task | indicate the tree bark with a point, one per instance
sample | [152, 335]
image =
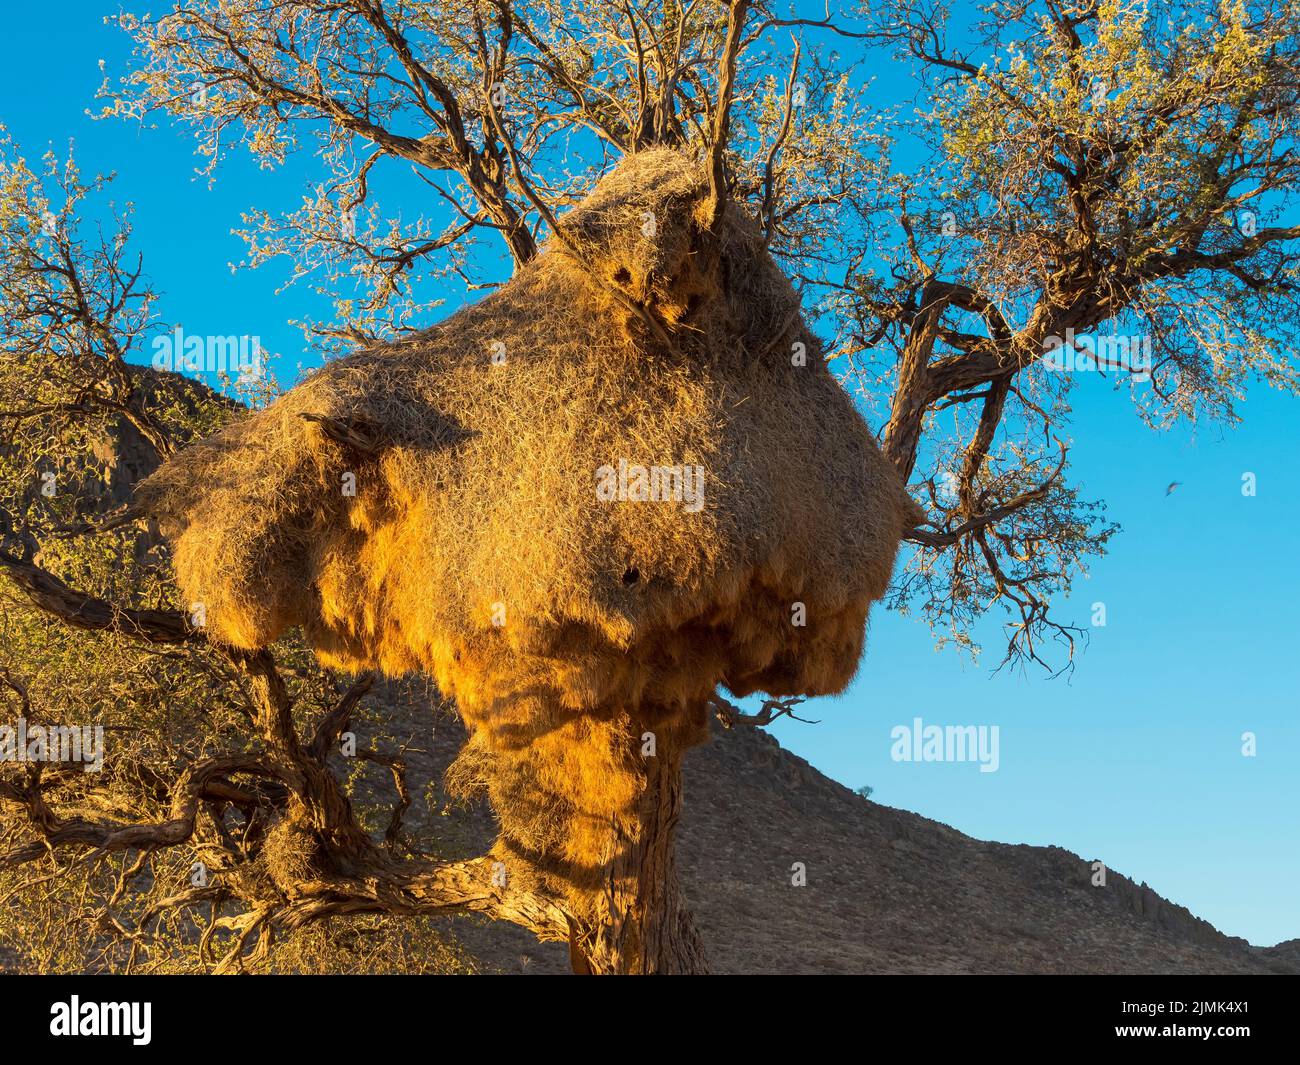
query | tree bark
[641, 923]
[588, 804]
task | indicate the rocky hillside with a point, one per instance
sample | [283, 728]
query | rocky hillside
[887, 891]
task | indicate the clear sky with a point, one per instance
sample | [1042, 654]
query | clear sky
[1135, 760]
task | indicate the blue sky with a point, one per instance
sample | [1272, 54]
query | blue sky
[1135, 760]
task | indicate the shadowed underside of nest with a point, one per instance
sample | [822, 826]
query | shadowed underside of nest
[581, 504]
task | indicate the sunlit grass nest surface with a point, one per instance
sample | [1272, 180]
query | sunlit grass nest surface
[495, 535]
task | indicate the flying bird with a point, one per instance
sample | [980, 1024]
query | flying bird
[1172, 485]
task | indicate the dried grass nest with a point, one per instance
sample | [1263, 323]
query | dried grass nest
[477, 545]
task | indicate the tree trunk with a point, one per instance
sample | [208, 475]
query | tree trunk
[640, 923]
[588, 803]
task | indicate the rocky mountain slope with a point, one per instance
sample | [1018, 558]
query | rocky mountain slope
[887, 891]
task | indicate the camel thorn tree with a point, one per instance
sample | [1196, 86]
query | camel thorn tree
[686, 205]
